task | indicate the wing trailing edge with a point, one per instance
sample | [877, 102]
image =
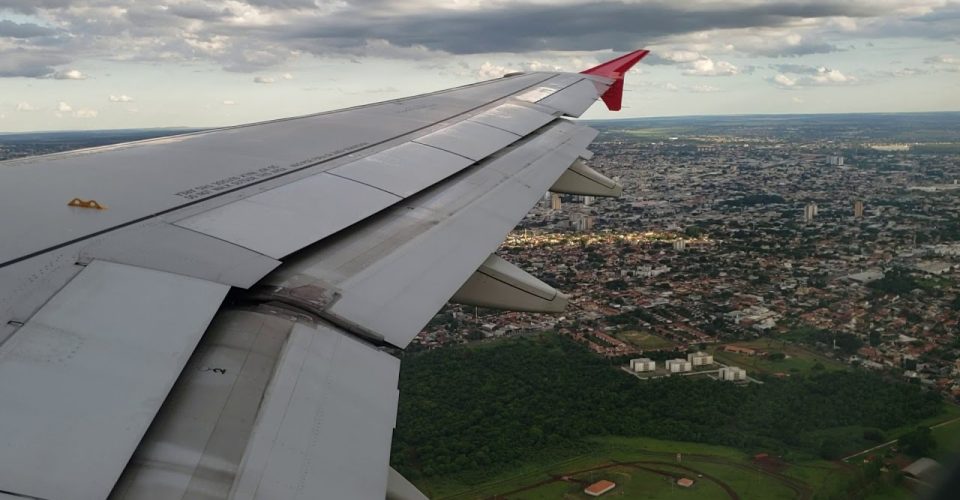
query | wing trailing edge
[615, 69]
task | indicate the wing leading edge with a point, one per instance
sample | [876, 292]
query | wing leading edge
[358, 229]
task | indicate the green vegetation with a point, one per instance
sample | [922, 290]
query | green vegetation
[645, 341]
[896, 281]
[478, 412]
[797, 360]
[918, 443]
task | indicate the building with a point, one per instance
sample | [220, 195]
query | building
[733, 373]
[678, 366]
[835, 160]
[679, 244]
[685, 482]
[924, 469]
[700, 359]
[643, 365]
[554, 201]
[581, 222]
[599, 488]
[858, 209]
[740, 350]
[810, 212]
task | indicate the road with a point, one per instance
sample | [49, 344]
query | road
[888, 443]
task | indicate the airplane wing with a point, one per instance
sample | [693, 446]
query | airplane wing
[219, 314]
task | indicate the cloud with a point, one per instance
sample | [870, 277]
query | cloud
[11, 29]
[26, 106]
[29, 63]
[254, 36]
[799, 76]
[64, 107]
[86, 113]
[120, 98]
[229, 103]
[701, 89]
[70, 74]
[709, 67]
[944, 62]
[264, 79]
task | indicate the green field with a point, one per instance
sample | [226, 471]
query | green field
[628, 462]
[799, 360]
[645, 340]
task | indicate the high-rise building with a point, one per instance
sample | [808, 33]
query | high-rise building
[555, 201]
[835, 160]
[587, 200]
[679, 244]
[810, 212]
[858, 209]
[581, 222]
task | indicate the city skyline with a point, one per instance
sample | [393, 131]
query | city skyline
[94, 65]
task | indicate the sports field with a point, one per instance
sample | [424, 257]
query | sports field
[649, 468]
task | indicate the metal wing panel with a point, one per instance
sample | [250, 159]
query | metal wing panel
[143, 179]
[165, 247]
[520, 120]
[404, 170]
[285, 219]
[472, 140]
[575, 99]
[325, 425]
[81, 381]
[393, 275]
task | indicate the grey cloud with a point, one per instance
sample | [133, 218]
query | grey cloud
[29, 64]
[206, 31]
[522, 28]
[799, 69]
[31, 6]
[199, 12]
[11, 29]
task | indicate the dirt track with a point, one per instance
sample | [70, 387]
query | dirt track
[801, 489]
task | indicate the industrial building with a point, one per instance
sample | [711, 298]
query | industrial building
[679, 366]
[599, 488]
[643, 365]
[700, 359]
[732, 373]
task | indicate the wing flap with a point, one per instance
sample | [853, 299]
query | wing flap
[389, 277]
[82, 380]
[326, 421]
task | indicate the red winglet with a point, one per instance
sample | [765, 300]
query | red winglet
[615, 69]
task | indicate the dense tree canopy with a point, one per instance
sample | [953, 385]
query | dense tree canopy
[470, 408]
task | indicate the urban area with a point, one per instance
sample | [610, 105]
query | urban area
[750, 246]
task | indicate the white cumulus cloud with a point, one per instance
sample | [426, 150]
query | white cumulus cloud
[709, 67]
[70, 74]
[25, 106]
[64, 107]
[121, 98]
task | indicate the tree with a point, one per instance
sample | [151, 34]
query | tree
[918, 442]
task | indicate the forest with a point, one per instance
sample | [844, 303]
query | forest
[489, 406]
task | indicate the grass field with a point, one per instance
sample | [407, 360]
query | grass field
[799, 359]
[645, 340]
[647, 468]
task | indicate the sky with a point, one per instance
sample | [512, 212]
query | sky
[100, 64]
